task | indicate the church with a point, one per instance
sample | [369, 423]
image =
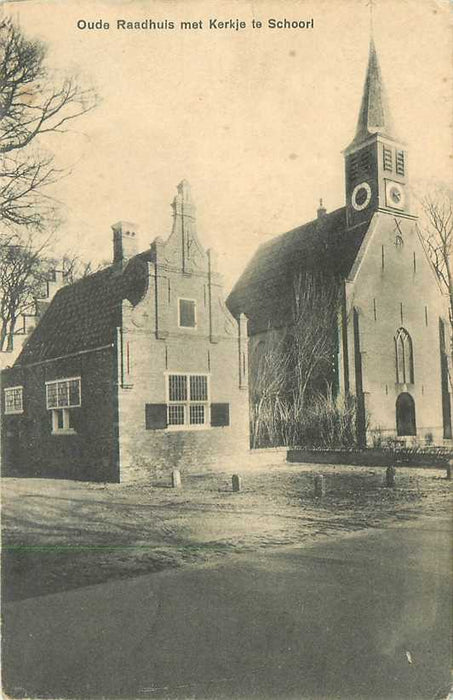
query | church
[391, 350]
[134, 370]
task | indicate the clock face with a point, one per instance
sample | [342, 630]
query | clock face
[361, 196]
[394, 195]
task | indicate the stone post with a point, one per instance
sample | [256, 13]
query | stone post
[236, 482]
[449, 468]
[320, 487]
[176, 479]
[390, 476]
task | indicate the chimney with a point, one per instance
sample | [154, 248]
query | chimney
[54, 283]
[322, 211]
[124, 241]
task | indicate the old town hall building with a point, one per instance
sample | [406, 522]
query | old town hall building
[393, 347]
[134, 370]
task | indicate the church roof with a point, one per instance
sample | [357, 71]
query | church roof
[324, 245]
[374, 115]
[84, 315]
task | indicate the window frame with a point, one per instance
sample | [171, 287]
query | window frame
[14, 411]
[387, 158]
[195, 315]
[66, 428]
[404, 357]
[188, 402]
[65, 411]
[60, 381]
[400, 162]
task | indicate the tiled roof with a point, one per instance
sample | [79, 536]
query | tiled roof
[324, 245]
[84, 315]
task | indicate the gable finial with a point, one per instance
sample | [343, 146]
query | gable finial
[322, 211]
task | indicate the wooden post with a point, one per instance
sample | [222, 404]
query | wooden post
[236, 482]
[176, 479]
[390, 476]
[320, 488]
[449, 468]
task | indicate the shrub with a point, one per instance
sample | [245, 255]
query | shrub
[323, 421]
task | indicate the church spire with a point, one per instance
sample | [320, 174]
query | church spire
[376, 160]
[374, 115]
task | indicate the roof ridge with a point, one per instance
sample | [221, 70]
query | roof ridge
[301, 226]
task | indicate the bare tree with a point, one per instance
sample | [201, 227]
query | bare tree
[33, 104]
[25, 269]
[293, 372]
[21, 280]
[267, 388]
[437, 231]
[312, 337]
[73, 266]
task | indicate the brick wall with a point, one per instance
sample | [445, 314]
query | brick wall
[152, 344]
[28, 446]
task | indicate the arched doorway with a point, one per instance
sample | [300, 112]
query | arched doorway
[405, 415]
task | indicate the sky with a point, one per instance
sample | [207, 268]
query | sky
[256, 119]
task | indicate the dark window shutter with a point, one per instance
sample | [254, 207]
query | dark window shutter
[155, 416]
[220, 414]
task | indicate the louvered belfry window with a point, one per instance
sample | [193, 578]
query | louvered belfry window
[388, 159]
[353, 166]
[365, 161]
[400, 162]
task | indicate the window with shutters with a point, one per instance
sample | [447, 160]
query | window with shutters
[220, 415]
[188, 400]
[62, 395]
[14, 400]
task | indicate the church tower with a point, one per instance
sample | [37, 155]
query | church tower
[376, 160]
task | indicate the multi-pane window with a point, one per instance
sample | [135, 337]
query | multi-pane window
[62, 420]
[187, 313]
[14, 400]
[404, 357]
[400, 162]
[61, 396]
[188, 400]
[388, 159]
[63, 393]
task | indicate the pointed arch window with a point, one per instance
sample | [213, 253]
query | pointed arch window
[404, 357]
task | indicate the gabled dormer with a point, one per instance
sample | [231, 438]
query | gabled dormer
[376, 160]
